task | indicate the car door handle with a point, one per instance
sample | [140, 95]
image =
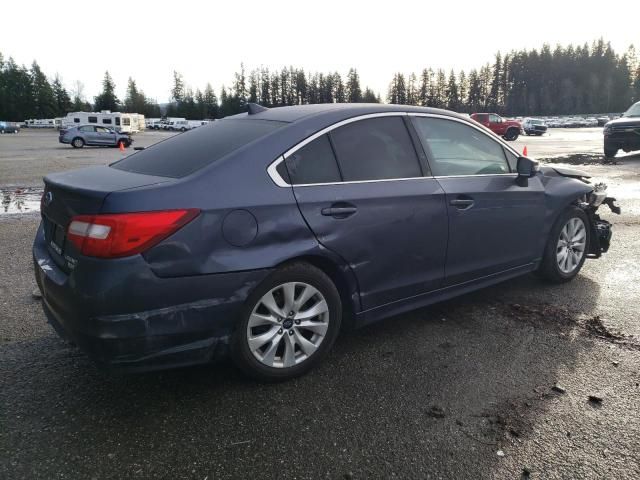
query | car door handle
[462, 203]
[339, 211]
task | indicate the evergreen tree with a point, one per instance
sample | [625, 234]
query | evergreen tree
[177, 91]
[353, 90]
[424, 93]
[107, 100]
[369, 96]
[61, 98]
[339, 93]
[397, 90]
[440, 90]
[494, 97]
[412, 90]
[463, 89]
[212, 110]
[453, 95]
[44, 100]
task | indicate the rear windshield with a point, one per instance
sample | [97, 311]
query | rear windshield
[187, 152]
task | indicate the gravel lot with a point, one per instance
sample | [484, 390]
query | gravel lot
[463, 389]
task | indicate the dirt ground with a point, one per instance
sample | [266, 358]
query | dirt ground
[520, 380]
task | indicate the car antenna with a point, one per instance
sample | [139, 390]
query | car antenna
[253, 108]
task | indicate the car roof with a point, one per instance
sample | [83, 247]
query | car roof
[336, 111]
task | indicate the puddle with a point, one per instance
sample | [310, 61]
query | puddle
[578, 159]
[15, 200]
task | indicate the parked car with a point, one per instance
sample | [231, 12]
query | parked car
[534, 126]
[92, 135]
[216, 241]
[9, 127]
[507, 129]
[623, 133]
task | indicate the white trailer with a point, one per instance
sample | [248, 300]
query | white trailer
[138, 122]
[121, 122]
[40, 123]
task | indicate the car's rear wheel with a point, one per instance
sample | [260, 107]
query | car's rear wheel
[77, 143]
[288, 324]
[567, 247]
[512, 134]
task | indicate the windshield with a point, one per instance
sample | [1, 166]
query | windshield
[634, 111]
[537, 122]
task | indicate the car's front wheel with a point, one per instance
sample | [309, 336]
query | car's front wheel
[288, 324]
[610, 152]
[567, 246]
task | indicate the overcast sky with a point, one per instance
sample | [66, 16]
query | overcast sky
[206, 41]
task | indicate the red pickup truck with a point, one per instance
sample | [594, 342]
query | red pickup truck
[507, 129]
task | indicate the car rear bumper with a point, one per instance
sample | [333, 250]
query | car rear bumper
[126, 318]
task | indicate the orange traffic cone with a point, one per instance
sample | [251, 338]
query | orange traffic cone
[524, 151]
[121, 145]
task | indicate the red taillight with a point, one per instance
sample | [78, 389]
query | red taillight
[124, 234]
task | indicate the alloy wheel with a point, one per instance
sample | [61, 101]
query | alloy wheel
[571, 245]
[287, 325]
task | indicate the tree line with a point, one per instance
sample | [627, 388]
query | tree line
[566, 80]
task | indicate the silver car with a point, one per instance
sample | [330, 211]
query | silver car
[94, 135]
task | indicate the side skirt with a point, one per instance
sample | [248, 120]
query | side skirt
[424, 299]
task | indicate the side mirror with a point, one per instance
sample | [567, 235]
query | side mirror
[526, 169]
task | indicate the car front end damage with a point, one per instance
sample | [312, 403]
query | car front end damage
[570, 186]
[600, 229]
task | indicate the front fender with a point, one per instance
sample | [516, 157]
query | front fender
[560, 192]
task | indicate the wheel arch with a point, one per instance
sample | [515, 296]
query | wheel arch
[343, 278]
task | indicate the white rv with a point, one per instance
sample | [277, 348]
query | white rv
[121, 122]
[138, 122]
[40, 123]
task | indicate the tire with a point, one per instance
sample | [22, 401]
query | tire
[286, 339]
[511, 135]
[610, 152]
[77, 142]
[552, 268]
[183, 129]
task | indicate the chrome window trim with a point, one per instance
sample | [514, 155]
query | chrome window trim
[280, 182]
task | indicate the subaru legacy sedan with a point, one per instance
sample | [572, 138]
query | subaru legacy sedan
[94, 135]
[262, 234]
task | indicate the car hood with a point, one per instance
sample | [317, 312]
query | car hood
[624, 122]
[565, 172]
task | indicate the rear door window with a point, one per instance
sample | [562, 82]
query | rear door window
[183, 154]
[313, 163]
[375, 149]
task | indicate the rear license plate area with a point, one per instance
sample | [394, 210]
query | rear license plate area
[55, 235]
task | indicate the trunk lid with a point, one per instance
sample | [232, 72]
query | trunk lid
[81, 192]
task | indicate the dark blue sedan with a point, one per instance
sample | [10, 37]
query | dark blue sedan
[262, 234]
